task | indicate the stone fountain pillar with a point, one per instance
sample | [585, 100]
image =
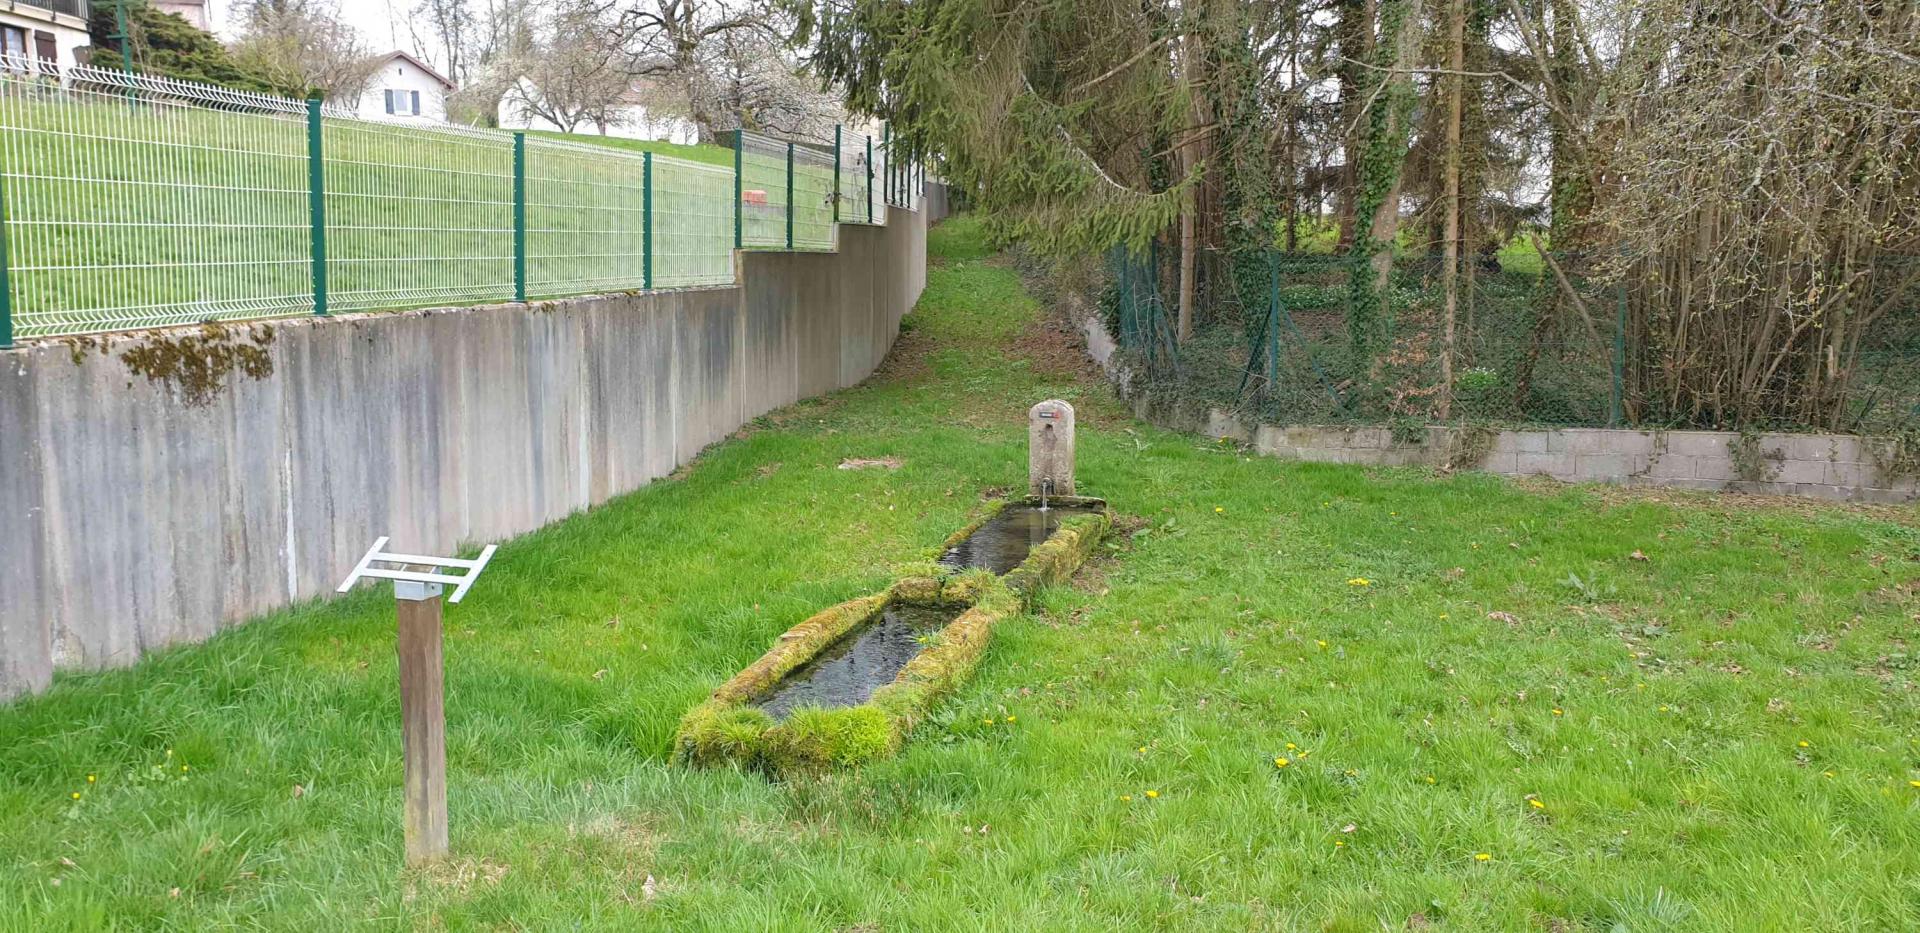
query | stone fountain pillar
[1050, 448]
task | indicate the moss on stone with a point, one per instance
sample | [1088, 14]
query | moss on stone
[729, 728]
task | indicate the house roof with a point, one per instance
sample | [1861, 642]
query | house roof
[417, 63]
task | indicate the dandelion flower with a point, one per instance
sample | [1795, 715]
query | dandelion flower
[92, 778]
[1281, 762]
[1218, 510]
[1913, 783]
[1557, 711]
[1126, 798]
[1805, 744]
[183, 769]
[1483, 856]
[1143, 749]
[1430, 780]
[76, 795]
[1291, 746]
[1153, 795]
[1012, 718]
[1443, 615]
[1359, 581]
[1664, 709]
[1321, 642]
[1339, 843]
[1537, 805]
[988, 721]
[1827, 773]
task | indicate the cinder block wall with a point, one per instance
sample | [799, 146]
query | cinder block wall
[139, 515]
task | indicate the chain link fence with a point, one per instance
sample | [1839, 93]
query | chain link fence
[131, 201]
[1553, 340]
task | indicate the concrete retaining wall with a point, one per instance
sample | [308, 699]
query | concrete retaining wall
[144, 513]
[1826, 466]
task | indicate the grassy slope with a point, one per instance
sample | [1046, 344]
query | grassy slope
[699, 152]
[1674, 790]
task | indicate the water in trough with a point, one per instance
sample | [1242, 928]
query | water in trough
[851, 669]
[1006, 539]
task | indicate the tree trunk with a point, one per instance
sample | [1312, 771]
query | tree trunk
[1450, 274]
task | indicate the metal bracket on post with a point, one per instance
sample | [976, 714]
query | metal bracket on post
[423, 715]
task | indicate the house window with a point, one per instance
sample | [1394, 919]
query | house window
[13, 44]
[45, 48]
[403, 103]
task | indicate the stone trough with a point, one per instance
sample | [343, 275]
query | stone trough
[847, 685]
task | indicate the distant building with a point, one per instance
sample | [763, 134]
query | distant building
[46, 30]
[404, 88]
[193, 11]
[629, 119]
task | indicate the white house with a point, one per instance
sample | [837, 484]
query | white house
[631, 119]
[47, 30]
[404, 88]
[193, 11]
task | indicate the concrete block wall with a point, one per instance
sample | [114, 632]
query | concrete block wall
[136, 518]
[1826, 466]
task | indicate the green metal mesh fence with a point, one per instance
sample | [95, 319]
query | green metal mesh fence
[763, 191]
[417, 217]
[586, 218]
[132, 201]
[692, 224]
[1547, 341]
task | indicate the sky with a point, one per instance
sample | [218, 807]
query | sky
[382, 22]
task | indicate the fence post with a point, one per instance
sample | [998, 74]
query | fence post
[1617, 410]
[646, 220]
[6, 274]
[869, 178]
[317, 204]
[886, 148]
[738, 192]
[789, 196]
[520, 217]
[836, 173]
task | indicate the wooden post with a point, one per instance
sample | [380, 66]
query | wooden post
[423, 721]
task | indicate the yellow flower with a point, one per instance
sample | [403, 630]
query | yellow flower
[183, 769]
[1805, 744]
[1359, 581]
[1011, 718]
[1443, 615]
[76, 795]
[1143, 749]
[1913, 783]
[1483, 856]
[1557, 711]
[1537, 805]
[1430, 780]
[1321, 642]
[988, 721]
[1126, 798]
[1281, 762]
[1664, 709]
[92, 778]
[1291, 746]
[1218, 509]
[1153, 795]
[1339, 843]
[1827, 773]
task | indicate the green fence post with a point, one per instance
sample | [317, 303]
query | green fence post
[886, 147]
[738, 192]
[789, 196]
[869, 178]
[646, 220]
[836, 173]
[6, 276]
[317, 204]
[1617, 410]
[520, 217]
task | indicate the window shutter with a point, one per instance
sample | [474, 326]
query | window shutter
[389, 94]
[44, 45]
[416, 103]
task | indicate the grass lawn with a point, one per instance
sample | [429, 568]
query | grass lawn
[697, 152]
[1498, 706]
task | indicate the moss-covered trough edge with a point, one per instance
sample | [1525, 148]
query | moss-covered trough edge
[728, 727]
